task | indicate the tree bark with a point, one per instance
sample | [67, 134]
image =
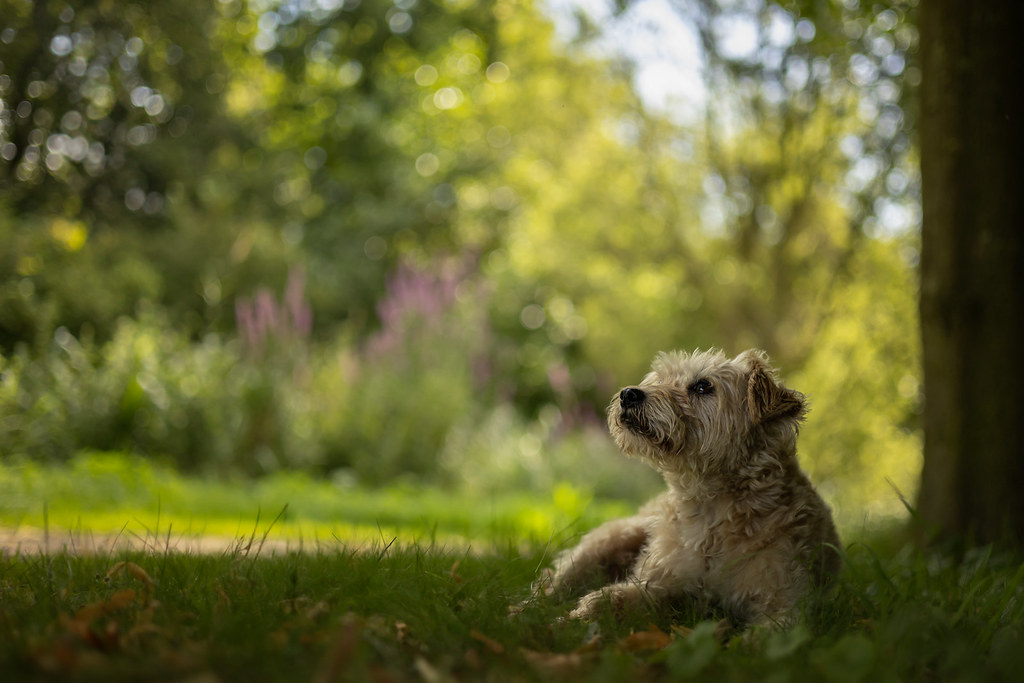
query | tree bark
[972, 270]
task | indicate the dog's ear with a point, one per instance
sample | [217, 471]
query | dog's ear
[767, 399]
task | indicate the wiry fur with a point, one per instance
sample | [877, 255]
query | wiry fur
[740, 524]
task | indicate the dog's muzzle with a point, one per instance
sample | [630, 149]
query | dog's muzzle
[631, 398]
[631, 410]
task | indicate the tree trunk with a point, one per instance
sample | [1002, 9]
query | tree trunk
[972, 269]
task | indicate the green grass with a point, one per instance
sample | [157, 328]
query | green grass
[435, 613]
[434, 605]
[110, 493]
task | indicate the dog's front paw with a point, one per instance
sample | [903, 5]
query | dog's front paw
[619, 596]
[586, 608]
[582, 613]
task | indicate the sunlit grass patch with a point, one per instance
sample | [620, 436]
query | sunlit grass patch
[104, 494]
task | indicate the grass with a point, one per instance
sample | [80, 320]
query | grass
[110, 493]
[437, 610]
[434, 613]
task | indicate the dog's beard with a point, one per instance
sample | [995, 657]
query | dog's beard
[639, 433]
[635, 420]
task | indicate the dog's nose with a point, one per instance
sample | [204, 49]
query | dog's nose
[631, 396]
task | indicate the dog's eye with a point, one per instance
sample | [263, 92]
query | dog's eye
[702, 387]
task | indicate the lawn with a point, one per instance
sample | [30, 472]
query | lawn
[417, 599]
[100, 495]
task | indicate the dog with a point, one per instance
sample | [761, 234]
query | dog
[740, 527]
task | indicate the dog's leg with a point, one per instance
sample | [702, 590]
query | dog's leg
[621, 596]
[664, 570]
[605, 554]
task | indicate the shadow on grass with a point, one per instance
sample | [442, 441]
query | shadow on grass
[438, 613]
[298, 595]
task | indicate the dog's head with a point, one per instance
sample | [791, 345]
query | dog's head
[701, 412]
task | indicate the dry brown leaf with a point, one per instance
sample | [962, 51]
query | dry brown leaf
[453, 574]
[103, 639]
[87, 626]
[141, 629]
[115, 602]
[653, 639]
[135, 570]
[489, 643]
[144, 624]
[76, 627]
[592, 645]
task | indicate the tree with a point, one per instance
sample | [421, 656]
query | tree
[187, 154]
[785, 219]
[972, 262]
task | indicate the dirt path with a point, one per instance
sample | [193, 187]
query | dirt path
[30, 541]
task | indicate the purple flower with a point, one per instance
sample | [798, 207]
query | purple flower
[264, 318]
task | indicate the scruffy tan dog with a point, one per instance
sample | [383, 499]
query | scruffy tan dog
[740, 525]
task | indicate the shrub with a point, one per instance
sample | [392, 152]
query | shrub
[148, 390]
[504, 450]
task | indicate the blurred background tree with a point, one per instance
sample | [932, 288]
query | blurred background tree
[430, 238]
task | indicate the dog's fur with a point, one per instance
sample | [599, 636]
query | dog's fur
[740, 525]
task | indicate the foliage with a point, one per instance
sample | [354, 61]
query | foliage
[147, 389]
[866, 361]
[97, 497]
[423, 611]
[494, 233]
[791, 63]
[409, 406]
[152, 130]
[504, 451]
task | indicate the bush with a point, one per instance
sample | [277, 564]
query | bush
[415, 401]
[431, 396]
[148, 390]
[506, 451]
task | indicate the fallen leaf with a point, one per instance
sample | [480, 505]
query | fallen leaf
[489, 643]
[654, 639]
[592, 645]
[453, 574]
[95, 610]
[135, 570]
[144, 624]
